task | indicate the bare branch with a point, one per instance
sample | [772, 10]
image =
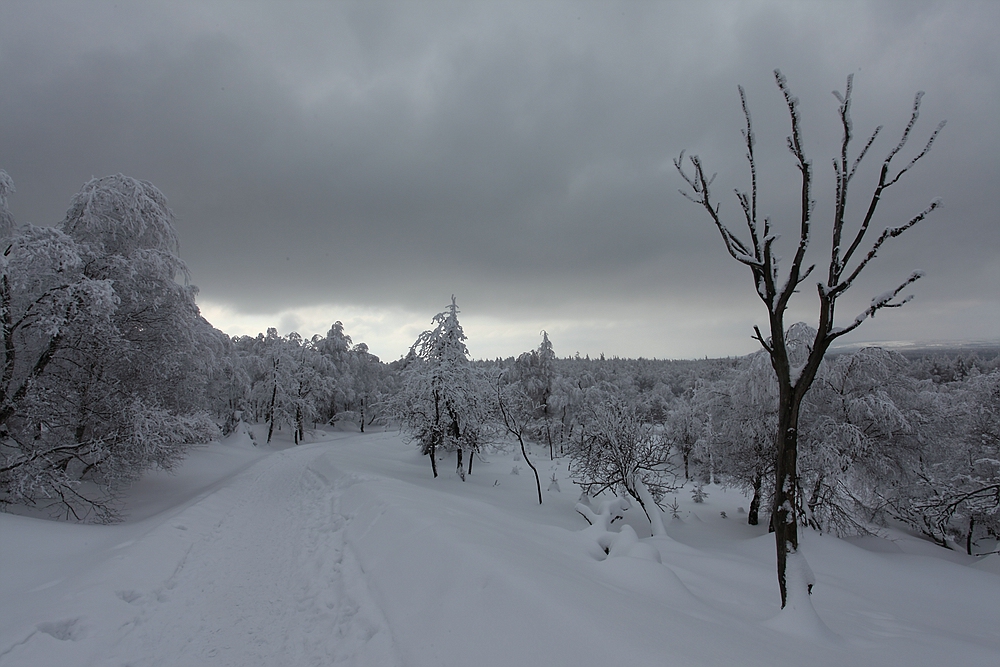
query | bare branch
[840, 169]
[864, 151]
[749, 204]
[909, 127]
[891, 232]
[701, 194]
[760, 338]
[878, 303]
[806, 203]
[927, 148]
[884, 180]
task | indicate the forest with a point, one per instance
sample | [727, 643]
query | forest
[110, 371]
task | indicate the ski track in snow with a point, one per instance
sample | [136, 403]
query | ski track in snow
[261, 576]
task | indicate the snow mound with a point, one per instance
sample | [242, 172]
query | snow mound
[989, 563]
[799, 617]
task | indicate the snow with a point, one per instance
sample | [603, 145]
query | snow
[346, 551]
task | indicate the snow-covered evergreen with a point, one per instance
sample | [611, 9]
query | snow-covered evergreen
[444, 399]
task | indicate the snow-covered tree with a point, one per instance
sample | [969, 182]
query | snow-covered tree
[230, 385]
[311, 383]
[686, 425]
[536, 375]
[444, 398]
[105, 354]
[370, 389]
[336, 347]
[126, 235]
[744, 406]
[621, 452]
[858, 439]
[277, 384]
[957, 492]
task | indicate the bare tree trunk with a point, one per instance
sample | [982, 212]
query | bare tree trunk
[435, 433]
[548, 436]
[968, 539]
[786, 533]
[515, 429]
[649, 506]
[270, 409]
[7, 331]
[813, 503]
[524, 453]
[299, 430]
[10, 402]
[456, 434]
[753, 516]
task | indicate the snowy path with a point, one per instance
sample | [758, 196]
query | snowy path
[348, 552]
[255, 574]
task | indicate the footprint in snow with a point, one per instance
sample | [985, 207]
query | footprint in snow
[129, 596]
[70, 629]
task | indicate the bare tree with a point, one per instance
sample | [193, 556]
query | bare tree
[775, 288]
[516, 409]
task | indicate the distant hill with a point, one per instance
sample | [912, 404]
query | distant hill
[916, 349]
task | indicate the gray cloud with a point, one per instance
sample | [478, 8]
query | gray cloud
[518, 155]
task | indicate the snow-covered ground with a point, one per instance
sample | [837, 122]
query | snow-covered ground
[346, 551]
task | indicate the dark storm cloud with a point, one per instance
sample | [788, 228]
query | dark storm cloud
[516, 154]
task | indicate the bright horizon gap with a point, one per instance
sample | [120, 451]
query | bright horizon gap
[389, 333]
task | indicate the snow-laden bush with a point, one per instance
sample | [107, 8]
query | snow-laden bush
[620, 451]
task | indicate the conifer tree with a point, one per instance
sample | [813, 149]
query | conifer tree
[444, 398]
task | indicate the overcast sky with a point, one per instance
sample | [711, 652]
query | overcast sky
[363, 161]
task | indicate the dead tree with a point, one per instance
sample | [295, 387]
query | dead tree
[775, 288]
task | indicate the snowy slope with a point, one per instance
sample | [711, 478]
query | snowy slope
[346, 551]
